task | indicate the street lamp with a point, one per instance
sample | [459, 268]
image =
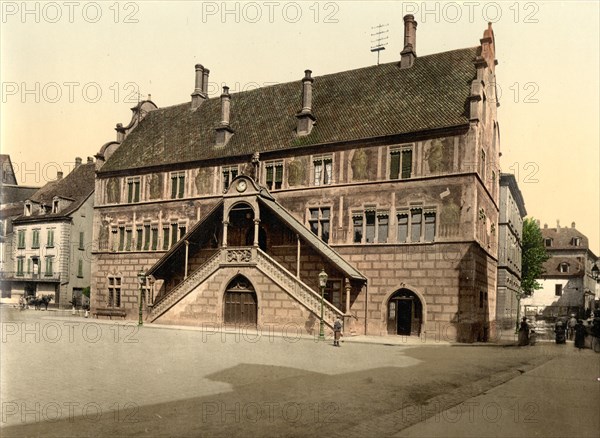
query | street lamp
[142, 279]
[322, 283]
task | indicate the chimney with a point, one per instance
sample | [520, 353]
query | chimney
[205, 73]
[90, 160]
[306, 119]
[200, 86]
[59, 175]
[572, 224]
[77, 162]
[224, 131]
[537, 222]
[545, 226]
[409, 53]
[557, 224]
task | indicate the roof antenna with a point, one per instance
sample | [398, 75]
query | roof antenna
[379, 38]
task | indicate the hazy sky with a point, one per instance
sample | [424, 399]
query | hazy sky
[71, 70]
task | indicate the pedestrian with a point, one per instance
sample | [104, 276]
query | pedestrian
[337, 331]
[523, 333]
[21, 303]
[580, 333]
[572, 323]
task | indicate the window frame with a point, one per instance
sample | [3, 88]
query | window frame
[363, 217]
[276, 182]
[410, 213]
[177, 184]
[226, 175]
[133, 189]
[325, 178]
[319, 220]
[400, 151]
[114, 283]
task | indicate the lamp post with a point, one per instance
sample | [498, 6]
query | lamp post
[142, 279]
[596, 273]
[322, 283]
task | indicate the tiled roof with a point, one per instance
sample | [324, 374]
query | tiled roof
[77, 185]
[369, 102]
[552, 266]
[563, 238]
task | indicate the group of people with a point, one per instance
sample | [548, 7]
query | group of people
[573, 329]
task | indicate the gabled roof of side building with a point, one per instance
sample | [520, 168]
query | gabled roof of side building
[370, 102]
[78, 185]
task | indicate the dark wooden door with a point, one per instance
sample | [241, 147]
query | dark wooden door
[404, 316]
[240, 308]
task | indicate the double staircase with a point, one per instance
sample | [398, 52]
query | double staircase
[255, 257]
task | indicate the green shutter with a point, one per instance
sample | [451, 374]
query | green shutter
[406, 163]
[394, 165]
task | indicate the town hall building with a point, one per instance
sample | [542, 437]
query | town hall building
[229, 210]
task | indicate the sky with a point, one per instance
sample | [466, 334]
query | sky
[70, 71]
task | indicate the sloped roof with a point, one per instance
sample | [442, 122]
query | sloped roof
[6, 169]
[77, 185]
[563, 238]
[369, 102]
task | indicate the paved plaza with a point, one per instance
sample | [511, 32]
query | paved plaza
[65, 376]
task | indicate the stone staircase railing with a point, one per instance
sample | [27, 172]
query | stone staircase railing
[186, 286]
[296, 288]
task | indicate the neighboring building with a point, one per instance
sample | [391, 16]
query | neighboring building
[10, 190]
[386, 176]
[12, 197]
[567, 284]
[510, 240]
[51, 238]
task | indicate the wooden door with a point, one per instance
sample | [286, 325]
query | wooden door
[240, 308]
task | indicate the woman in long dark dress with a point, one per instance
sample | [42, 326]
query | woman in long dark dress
[523, 333]
[580, 333]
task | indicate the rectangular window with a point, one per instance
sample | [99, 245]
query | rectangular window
[182, 231]
[35, 240]
[415, 225]
[319, 220]
[166, 238]
[429, 226]
[50, 238]
[49, 267]
[81, 240]
[558, 290]
[20, 265]
[370, 228]
[372, 225]
[382, 227]
[229, 173]
[482, 165]
[274, 175]
[177, 185]
[146, 237]
[401, 163]
[21, 239]
[121, 238]
[80, 268]
[154, 238]
[128, 238]
[133, 189]
[323, 170]
[114, 291]
[139, 238]
[357, 222]
[548, 242]
[402, 227]
[418, 225]
[173, 234]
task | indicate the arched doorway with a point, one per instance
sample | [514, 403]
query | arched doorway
[240, 303]
[241, 225]
[404, 313]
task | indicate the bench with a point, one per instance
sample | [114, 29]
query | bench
[109, 312]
